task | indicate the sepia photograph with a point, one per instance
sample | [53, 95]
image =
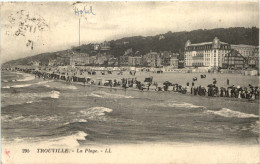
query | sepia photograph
[129, 82]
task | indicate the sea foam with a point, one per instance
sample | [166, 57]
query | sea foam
[21, 86]
[27, 78]
[102, 94]
[43, 82]
[62, 86]
[70, 87]
[26, 85]
[30, 118]
[255, 127]
[27, 98]
[76, 121]
[99, 111]
[175, 104]
[71, 140]
[55, 94]
[94, 113]
[225, 112]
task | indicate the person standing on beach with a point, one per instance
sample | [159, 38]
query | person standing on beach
[188, 89]
[227, 81]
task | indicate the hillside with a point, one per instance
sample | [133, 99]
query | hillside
[175, 41]
[170, 41]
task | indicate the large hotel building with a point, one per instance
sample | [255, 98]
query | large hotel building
[207, 54]
[245, 50]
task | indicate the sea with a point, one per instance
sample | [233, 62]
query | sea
[58, 113]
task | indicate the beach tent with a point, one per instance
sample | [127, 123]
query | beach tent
[148, 79]
[99, 81]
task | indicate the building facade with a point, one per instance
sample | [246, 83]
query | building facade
[174, 63]
[101, 59]
[135, 61]
[165, 58]
[253, 60]
[152, 59]
[206, 54]
[112, 61]
[124, 59]
[78, 59]
[105, 46]
[62, 61]
[36, 63]
[92, 60]
[51, 63]
[234, 60]
[244, 50]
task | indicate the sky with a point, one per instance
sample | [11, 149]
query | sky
[30, 28]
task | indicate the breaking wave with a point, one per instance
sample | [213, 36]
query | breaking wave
[25, 85]
[102, 94]
[61, 86]
[71, 140]
[95, 95]
[66, 87]
[27, 78]
[178, 105]
[27, 98]
[43, 82]
[55, 94]
[76, 121]
[31, 118]
[19, 86]
[255, 127]
[99, 111]
[225, 112]
[19, 73]
[94, 113]
[71, 87]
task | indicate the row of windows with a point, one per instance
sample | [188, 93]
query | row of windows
[211, 51]
[206, 48]
[235, 62]
[225, 47]
[208, 55]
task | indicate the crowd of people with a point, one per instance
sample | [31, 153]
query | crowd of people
[212, 90]
[250, 92]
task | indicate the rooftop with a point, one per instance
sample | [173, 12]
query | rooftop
[205, 43]
[244, 46]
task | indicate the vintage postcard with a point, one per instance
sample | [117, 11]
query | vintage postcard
[130, 82]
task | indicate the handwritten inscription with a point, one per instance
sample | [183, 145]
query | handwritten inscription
[84, 11]
[28, 25]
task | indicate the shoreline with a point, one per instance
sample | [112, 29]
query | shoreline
[138, 90]
[154, 91]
